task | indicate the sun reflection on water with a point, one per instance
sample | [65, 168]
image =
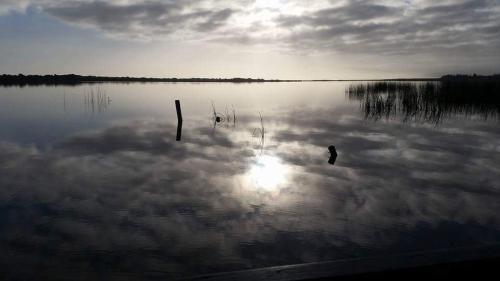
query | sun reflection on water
[267, 172]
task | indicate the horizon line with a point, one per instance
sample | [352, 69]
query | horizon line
[75, 79]
[72, 75]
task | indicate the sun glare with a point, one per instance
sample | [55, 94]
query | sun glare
[267, 172]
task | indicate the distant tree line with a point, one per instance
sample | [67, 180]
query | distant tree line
[473, 77]
[73, 79]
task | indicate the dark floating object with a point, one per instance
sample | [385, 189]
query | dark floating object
[217, 119]
[332, 150]
[333, 155]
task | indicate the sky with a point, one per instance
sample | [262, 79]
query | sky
[321, 39]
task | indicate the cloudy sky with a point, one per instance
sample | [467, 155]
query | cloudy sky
[250, 38]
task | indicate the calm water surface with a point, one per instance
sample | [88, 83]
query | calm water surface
[100, 188]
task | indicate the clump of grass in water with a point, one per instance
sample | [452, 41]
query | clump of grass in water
[260, 132]
[225, 117]
[430, 101]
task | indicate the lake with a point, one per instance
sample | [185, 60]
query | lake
[100, 181]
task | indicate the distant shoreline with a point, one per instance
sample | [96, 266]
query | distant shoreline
[74, 80]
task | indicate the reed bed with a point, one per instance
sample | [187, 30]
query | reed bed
[429, 101]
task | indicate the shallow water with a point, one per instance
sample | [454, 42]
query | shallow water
[103, 189]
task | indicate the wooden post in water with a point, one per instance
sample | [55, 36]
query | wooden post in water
[179, 120]
[178, 109]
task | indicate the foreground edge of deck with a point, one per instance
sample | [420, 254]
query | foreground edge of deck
[350, 267]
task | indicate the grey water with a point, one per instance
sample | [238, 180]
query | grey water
[96, 183]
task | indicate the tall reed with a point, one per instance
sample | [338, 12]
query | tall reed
[429, 101]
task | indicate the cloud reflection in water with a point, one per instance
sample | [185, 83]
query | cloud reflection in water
[130, 195]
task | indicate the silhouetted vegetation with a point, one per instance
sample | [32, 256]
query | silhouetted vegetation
[96, 100]
[469, 78]
[223, 117]
[260, 132]
[429, 101]
[73, 79]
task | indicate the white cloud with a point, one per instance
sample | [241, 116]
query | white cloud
[7, 6]
[459, 33]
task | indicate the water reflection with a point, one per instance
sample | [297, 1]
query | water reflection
[126, 199]
[178, 136]
[95, 100]
[225, 118]
[267, 172]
